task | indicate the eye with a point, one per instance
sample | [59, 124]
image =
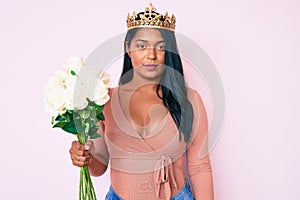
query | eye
[140, 46]
[161, 47]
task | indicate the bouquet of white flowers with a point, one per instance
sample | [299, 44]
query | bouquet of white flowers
[75, 97]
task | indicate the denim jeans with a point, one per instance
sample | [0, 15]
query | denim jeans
[184, 194]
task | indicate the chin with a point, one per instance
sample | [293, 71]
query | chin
[150, 73]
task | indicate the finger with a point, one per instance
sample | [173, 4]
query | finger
[77, 163]
[79, 149]
[80, 160]
[76, 145]
[79, 152]
[79, 146]
[89, 146]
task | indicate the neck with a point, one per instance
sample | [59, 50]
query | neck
[143, 85]
[146, 86]
[149, 87]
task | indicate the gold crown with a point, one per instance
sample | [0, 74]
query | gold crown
[151, 19]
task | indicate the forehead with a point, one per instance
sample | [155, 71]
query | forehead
[148, 34]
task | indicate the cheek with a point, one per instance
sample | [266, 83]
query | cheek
[161, 58]
[136, 59]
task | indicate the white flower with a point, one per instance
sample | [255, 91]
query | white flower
[67, 91]
[75, 95]
[57, 80]
[60, 88]
[55, 101]
[101, 93]
[97, 84]
[75, 64]
[55, 97]
[105, 79]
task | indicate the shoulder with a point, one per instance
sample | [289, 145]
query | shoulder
[111, 93]
[195, 98]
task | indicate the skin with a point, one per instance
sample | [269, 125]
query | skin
[146, 49]
[80, 154]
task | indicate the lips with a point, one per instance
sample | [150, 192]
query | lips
[150, 66]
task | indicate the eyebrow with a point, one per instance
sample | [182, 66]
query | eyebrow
[141, 40]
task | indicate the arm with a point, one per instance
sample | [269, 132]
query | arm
[198, 162]
[96, 167]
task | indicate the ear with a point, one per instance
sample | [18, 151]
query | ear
[127, 48]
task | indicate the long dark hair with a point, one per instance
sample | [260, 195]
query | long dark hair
[172, 83]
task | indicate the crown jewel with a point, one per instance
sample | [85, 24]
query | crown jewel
[151, 19]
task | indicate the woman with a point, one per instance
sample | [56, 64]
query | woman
[155, 131]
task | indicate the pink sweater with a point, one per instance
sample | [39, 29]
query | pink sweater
[153, 167]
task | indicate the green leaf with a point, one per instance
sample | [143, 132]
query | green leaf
[95, 135]
[91, 121]
[72, 127]
[91, 103]
[92, 130]
[59, 124]
[98, 126]
[84, 113]
[73, 73]
[99, 109]
[67, 116]
[93, 115]
[59, 118]
[70, 114]
[76, 117]
[100, 116]
[99, 113]
[87, 127]
[90, 107]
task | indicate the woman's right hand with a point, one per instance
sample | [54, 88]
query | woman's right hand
[82, 154]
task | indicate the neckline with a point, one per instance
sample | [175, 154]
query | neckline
[132, 125]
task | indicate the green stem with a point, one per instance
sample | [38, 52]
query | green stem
[81, 192]
[86, 188]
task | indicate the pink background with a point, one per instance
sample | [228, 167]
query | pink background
[254, 44]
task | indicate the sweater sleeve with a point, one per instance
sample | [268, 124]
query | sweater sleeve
[101, 156]
[100, 160]
[198, 162]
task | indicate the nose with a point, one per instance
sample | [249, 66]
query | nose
[151, 53]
